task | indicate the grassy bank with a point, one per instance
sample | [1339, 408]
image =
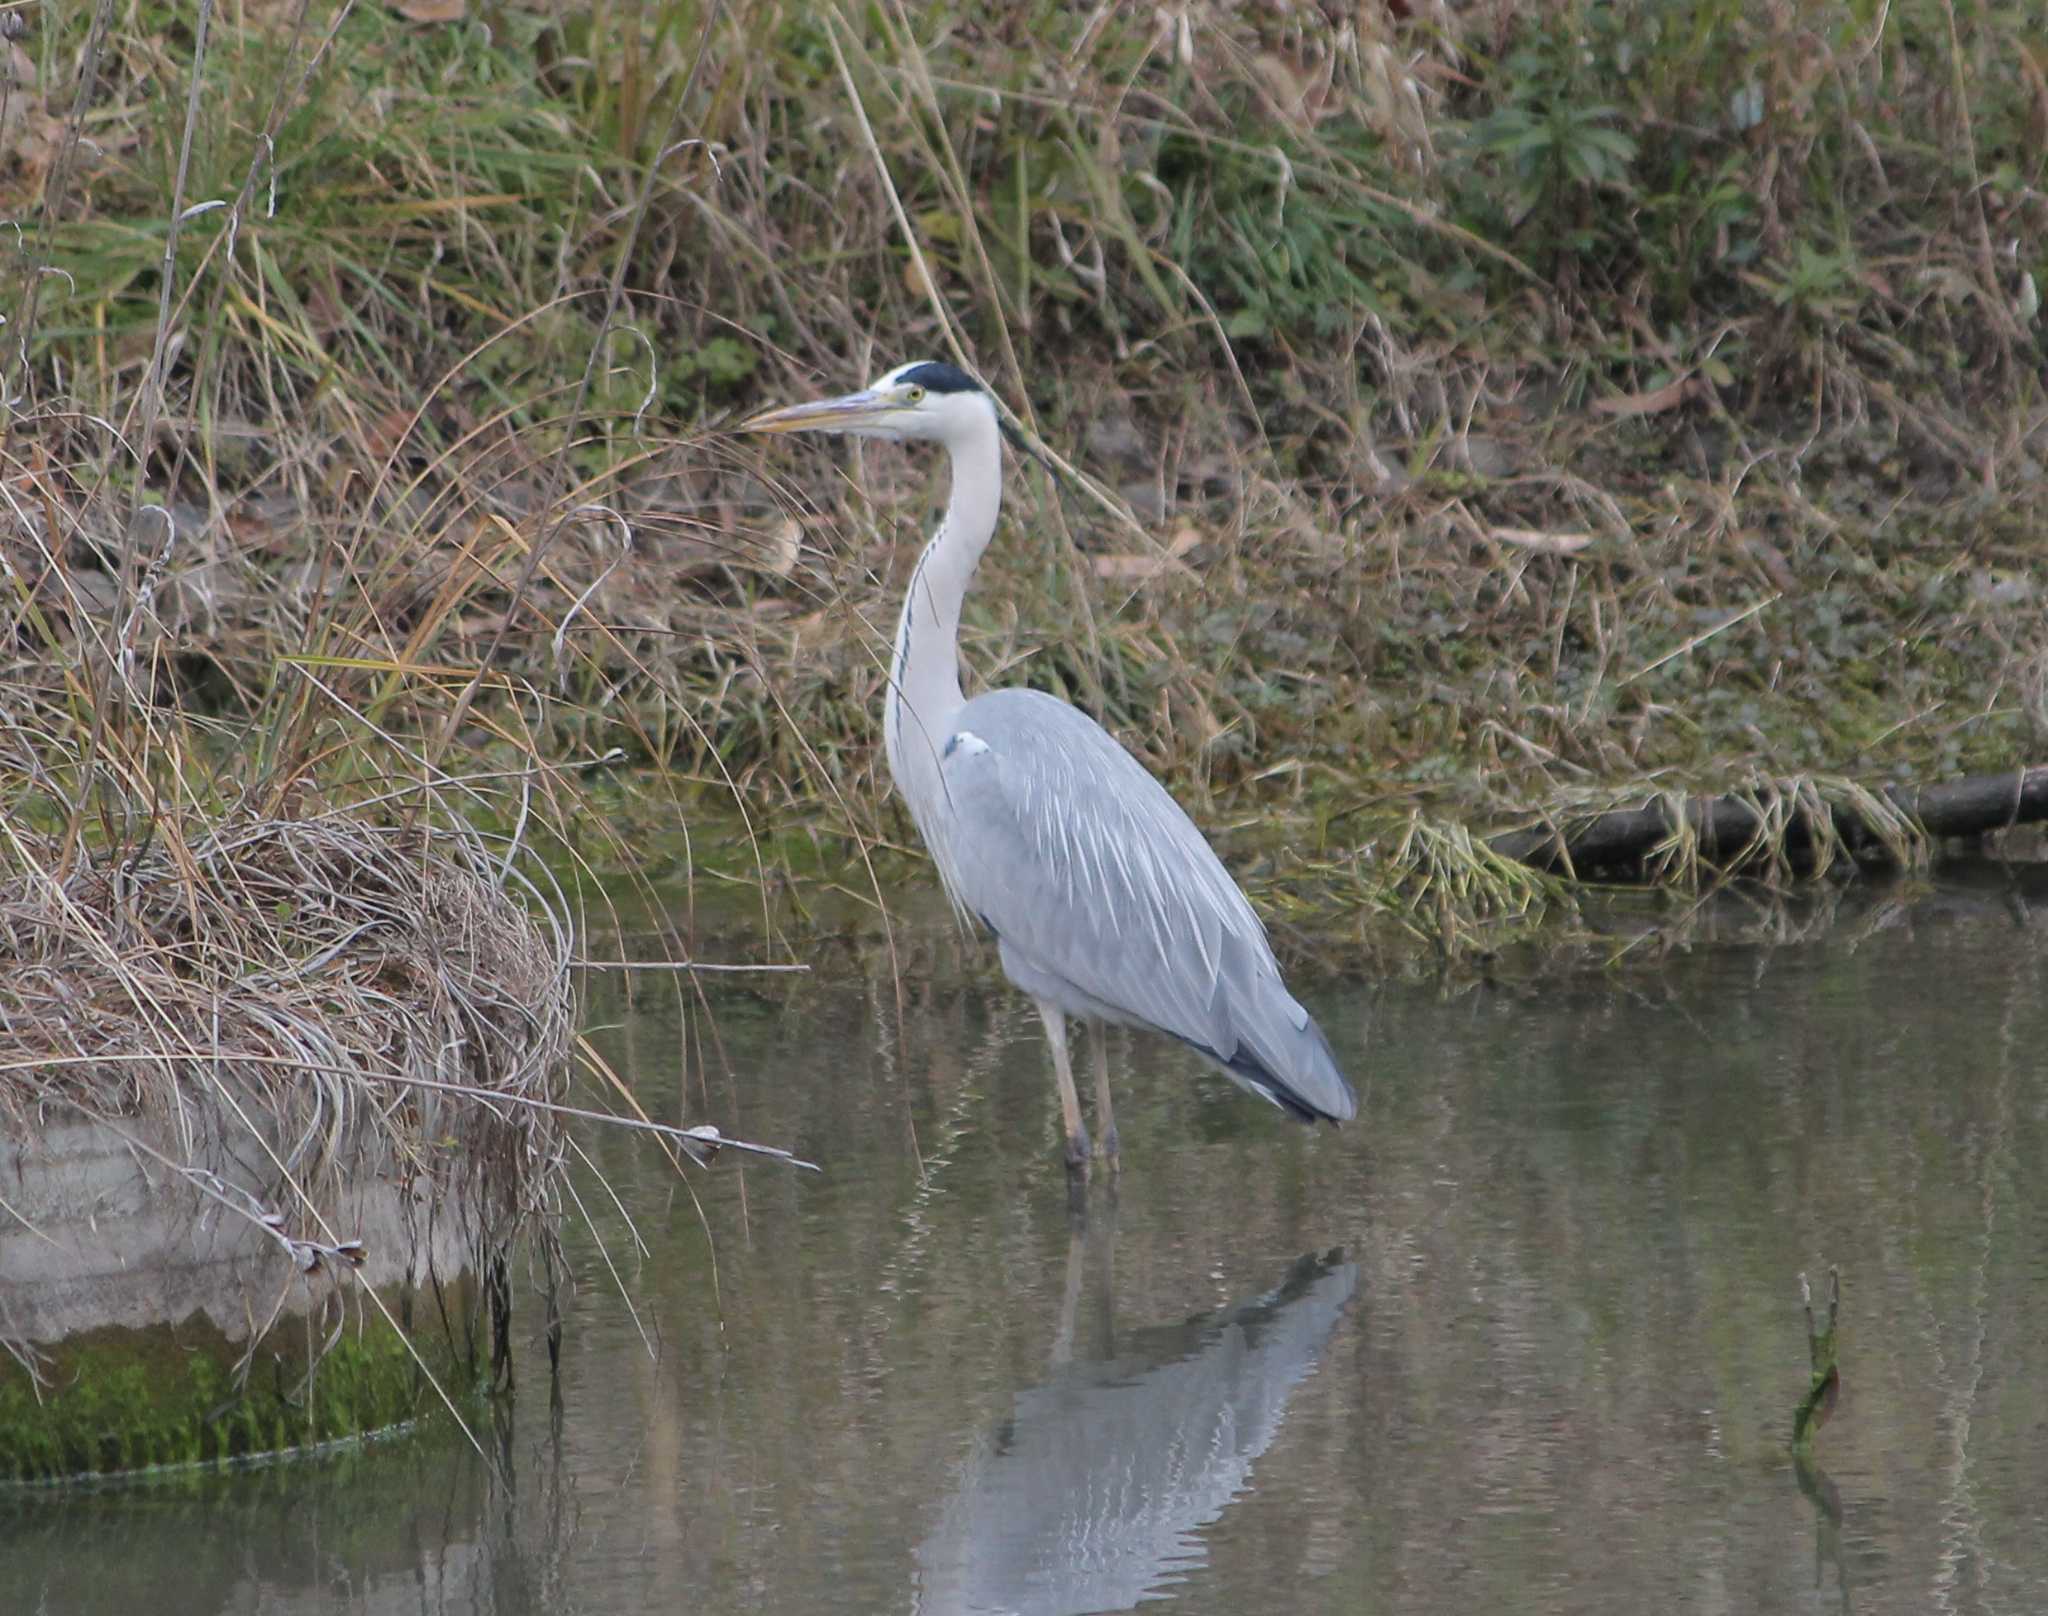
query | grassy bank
[1479, 410]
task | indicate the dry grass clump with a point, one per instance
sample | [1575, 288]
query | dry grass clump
[1770, 829]
[1418, 888]
[341, 996]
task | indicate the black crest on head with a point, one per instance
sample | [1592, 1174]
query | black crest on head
[935, 377]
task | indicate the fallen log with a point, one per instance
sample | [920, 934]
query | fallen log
[1731, 830]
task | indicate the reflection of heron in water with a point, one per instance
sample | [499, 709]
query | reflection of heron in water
[1092, 1495]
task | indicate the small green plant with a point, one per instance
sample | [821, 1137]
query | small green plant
[1567, 159]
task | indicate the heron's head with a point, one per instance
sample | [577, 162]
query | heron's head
[925, 399]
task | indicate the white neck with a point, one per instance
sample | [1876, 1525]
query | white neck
[924, 700]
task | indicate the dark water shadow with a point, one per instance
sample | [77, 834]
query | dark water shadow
[1650, 925]
[414, 1522]
[1819, 1490]
[1094, 1493]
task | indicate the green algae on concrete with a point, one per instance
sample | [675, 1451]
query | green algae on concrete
[124, 1400]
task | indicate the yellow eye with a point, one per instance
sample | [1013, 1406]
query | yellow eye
[914, 394]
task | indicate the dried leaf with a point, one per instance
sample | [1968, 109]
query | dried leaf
[1151, 566]
[383, 433]
[433, 10]
[1656, 401]
[1534, 539]
[29, 137]
[785, 547]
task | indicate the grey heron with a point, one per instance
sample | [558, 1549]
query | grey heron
[1106, 902]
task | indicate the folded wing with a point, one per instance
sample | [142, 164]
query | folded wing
[1107, 899]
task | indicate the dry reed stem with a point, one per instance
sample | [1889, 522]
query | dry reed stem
[287, 969]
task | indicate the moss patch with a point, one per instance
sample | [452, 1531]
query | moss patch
[123, 1400]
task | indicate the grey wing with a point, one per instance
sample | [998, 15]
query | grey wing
[1108, 902]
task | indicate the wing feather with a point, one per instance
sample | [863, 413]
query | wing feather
[1107, 899]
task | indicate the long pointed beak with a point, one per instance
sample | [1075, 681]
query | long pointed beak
[826, 415]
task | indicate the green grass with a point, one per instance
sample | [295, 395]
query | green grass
[1385, 322]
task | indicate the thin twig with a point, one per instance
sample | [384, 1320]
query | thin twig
[683, 965]
[1699, 640]
[153, 377]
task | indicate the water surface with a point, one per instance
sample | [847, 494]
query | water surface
[1526, 1337]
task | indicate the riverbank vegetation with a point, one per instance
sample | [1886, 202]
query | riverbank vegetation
[1472, 412]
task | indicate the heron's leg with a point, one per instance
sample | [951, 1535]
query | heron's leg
[1055, 1020]
[1105, 1118]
